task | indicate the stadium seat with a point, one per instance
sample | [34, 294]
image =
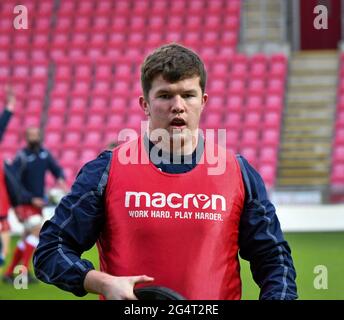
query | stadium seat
[270, 137]
[339, 136]
[237, 86]
[272, 119]
[249, 137]
[75, 122]
[268, 174]
[53, 138]
[250, 154]
[72, 139]
[268, 155]
[212, 120]
[87, 155]
[337, 175]
[233, 120]
[92, 139]
[338, 154]
[252, 120]
[94, 121]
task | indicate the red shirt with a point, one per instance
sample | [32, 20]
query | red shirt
[181, 229]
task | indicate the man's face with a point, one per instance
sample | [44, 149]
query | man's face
[33, 137]
[174, 106]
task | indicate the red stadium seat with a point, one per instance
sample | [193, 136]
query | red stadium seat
[115, 121]
[215, 103]
[232, 138]
[268, 155]
[141, 7]
[212, 120]
[270, 137]
[72, 139]
[250, 154]
[88, 155]
[274, 102]
[338, 154]
[92, 139]
[252, 120]
[233, 120]
[272, 119]
[95, 121]
[55, 122]
[278, 69]
[235, 103]
[256, 86]
[10, 139]
[31, 121]
[258, 69]
[69, 155]
[268, 173]
[78, 105]
[254, 102]
[337, 175]
[75, 122]
[250, 137]
[237, 86]
[339, 139]
[53, 138]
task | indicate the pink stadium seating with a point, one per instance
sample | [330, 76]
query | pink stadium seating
[268, 173]
[337, 174]
[93, 61]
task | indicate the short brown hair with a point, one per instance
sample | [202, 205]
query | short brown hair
[174, 62]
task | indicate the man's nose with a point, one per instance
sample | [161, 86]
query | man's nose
[178, 104]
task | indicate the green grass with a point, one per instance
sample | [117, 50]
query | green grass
[308, 250]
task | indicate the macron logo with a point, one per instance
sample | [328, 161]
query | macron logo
[174, 200]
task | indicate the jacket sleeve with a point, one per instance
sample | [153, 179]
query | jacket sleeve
[54, 167]
[262, 243]
[4, 120]
[73, 229]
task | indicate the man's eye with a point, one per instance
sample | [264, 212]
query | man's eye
[164, 96]
[188, 96]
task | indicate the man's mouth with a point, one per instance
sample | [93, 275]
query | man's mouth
[178, 123]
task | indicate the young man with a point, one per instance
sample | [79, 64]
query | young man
[4, 198]
[32, 164]
[162, 222]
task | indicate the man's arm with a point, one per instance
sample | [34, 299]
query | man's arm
[74, 228]
[262, 243]
[55, 168]
[7, 113]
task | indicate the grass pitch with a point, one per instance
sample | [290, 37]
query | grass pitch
[309, 250]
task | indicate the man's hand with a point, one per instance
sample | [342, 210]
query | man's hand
[111, 287]
[38, 202]
[62, 184]
[10, 98]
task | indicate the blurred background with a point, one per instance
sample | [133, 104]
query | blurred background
[275, 83]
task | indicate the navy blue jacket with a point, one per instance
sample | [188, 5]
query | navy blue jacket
[79, 219]
[4, 120]
[32, 167]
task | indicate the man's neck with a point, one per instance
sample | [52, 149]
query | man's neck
[177, 145]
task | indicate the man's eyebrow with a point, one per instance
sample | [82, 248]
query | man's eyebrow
[167, 91]
[163, 91]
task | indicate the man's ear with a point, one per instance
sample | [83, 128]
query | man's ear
[144, 105]
[204, 100]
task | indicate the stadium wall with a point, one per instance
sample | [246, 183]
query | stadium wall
[298, 218]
